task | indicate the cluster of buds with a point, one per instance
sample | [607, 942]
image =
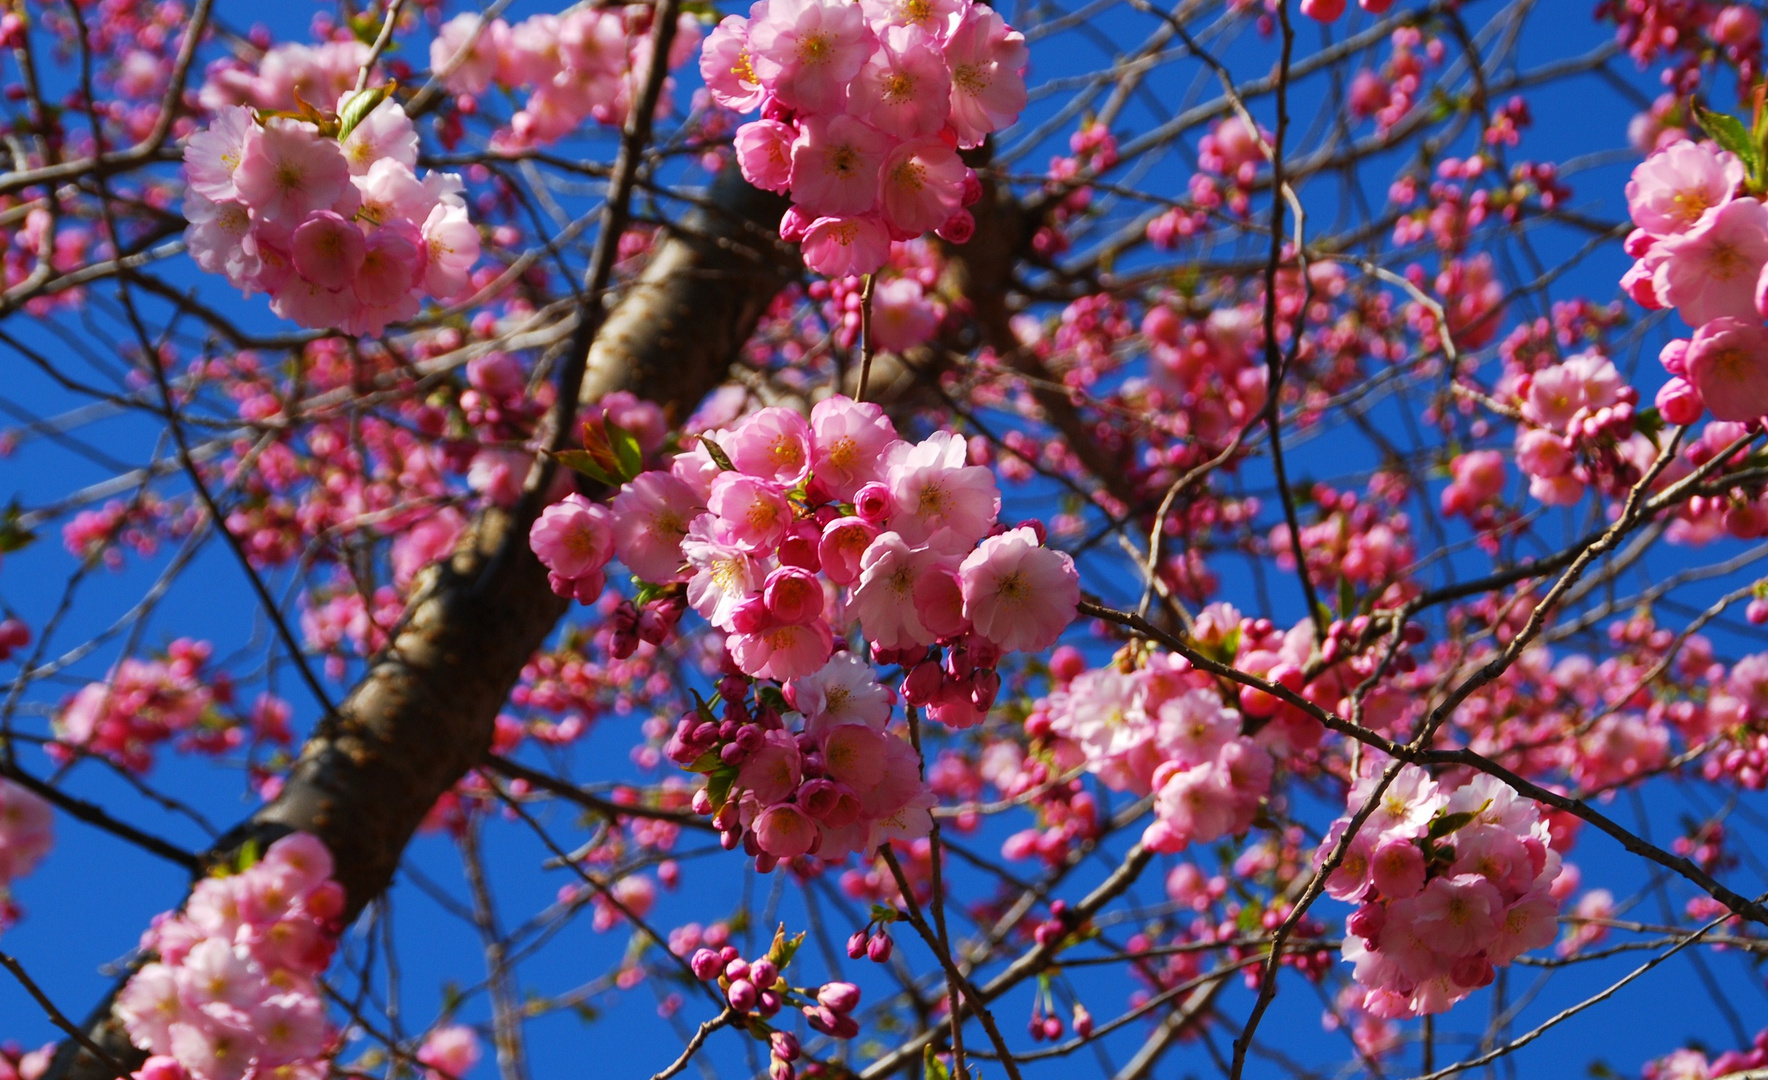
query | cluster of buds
[1045, 1024]
[874, 944]
[652, 623]
[955, 680]
[758, 987]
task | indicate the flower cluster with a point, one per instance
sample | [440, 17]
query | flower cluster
[761, 527]
[1691, 1064]
[760, 987]
[450, 1051]
[25, 831]
[589, 63]
[827, 780]
[1701, 243]
[327, 215]
[26, 835]
[1450, 885]
[145, 702]
[863, 109]
[1160, 726]
[759, 521]
[232, 991]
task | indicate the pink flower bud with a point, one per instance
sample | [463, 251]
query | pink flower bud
[873, 503]
[878, 949]
[705, 964]
[843, 997]
[793, 596]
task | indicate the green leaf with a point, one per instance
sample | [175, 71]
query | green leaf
[884, 915]
[1728, 131]
[718, 786]
[1446, 824]
[249, 854]
[721, 458]
[356, 110]
[14, 535]
[627, 451]
[584, 462]
[935, 1068]
[1649, 422]
[1347, 597]
[784, 948]
[773, 699]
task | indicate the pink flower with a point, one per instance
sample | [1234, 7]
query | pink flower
[902, 316]
[290, 1027]
[753, 513]
[328, 250]
[1019, 594]
[845, 691]
[1194, 726]
[793, 595]
[764, 153]
[651, 517]
[451, 1051]
[784, 831]
[774, 444]
[724, 64]
[468, 48]
[785, 651]
[214, 1049]
[774, 771]
[1406, 806]
[452, 247]
[1672, 188]
[26, 831]
[213, 154]
[842, 246]
[1542, 453]
[835, 165]
[932, 17]
[1190, 804]
[851, 439]
[884, 602]
[807, 51]
[1530, 923]
[843, 547]
[573, 537]
[387, 279]
[936, 489]
[287, 171]
[149, 1005]
[904, 88]
[855, 755]
[1679, 402]
[301, 860]
[1397, 868]
[724, 574]
[1710, 271]
[386, 133]
[987, 60]
[214, 972]
[922, 186]
[221, 240]
[1457, 915]
[1728, 364]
